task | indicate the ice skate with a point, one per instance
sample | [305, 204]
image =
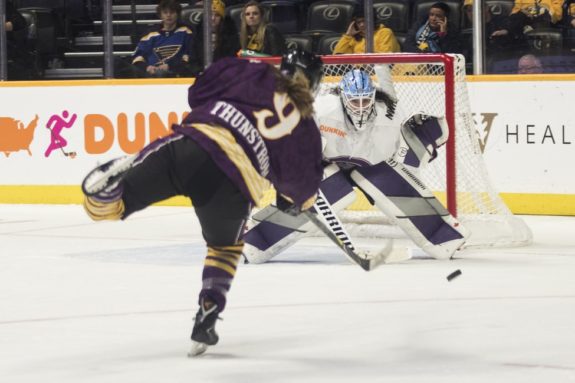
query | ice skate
[104, 179]
[204, 332]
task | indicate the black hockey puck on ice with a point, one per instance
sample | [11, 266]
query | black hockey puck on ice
[453, 275]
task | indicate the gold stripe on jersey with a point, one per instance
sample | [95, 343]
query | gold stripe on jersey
[256, 184]
[100, 211]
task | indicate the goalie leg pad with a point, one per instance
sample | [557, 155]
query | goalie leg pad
[266, 239]
[421, 135]
[399, 194]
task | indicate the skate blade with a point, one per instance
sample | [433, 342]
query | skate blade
[197, 349]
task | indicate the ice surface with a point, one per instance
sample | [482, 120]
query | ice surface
[113, 302]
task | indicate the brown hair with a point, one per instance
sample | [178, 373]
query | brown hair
[261, 30]
[169, 5]
[297, 88]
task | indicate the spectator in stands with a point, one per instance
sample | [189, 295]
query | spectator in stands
[531, 14]
[166, 51]
[529, 64]
[19, 64]
[502, 37]
[569, 13]
[353, 41]
[257, 37]
[225, 39]
[434, 34]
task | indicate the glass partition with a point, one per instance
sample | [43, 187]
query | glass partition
[68, 39]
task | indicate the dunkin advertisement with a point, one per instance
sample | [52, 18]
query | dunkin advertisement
[54, 135]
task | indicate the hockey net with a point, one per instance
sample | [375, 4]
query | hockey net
[435, 84]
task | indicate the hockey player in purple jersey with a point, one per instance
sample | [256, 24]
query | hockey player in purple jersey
[364, 130]
[251, 126]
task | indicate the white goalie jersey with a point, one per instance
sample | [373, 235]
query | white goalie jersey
[344, 144]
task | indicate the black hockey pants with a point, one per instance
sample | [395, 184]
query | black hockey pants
[179, 166]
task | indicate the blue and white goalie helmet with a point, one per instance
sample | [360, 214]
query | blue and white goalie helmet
[357, 95]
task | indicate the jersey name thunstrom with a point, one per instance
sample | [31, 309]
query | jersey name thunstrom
[243, 126]
[329, 129]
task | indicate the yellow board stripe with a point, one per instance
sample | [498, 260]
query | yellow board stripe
[518, 203]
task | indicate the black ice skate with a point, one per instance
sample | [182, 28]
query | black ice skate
[204, 332]
[103, 181]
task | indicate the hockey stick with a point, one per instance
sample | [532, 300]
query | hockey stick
[66, 154]
[332, 227]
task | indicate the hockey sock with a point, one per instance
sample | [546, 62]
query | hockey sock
[219, 270]
[103, 210]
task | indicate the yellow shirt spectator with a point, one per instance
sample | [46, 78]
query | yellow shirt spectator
[353, 41]
[534, 7]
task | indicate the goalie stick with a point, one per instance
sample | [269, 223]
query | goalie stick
[332, 227]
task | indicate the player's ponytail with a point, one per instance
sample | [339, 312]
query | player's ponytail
[298, 90]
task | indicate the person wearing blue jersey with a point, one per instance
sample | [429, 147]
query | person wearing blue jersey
[250, 126]
[166, 51]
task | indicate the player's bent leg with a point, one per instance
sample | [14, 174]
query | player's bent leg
[399, 194]
[267, 239]
[127, 184]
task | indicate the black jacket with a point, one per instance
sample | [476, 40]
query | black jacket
[229, 44]
[451, 42]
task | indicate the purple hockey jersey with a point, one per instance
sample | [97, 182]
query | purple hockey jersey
[252, 132]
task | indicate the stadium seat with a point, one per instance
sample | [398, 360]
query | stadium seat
[41, 29]
[316, 36]
[393, 14]
[421, 10]
[333, 16]
[326, 44]
[285, 15]
[500, 7]
[304, 42]
[545, 41]
[401, 38]
[192, 16]
[39, 3]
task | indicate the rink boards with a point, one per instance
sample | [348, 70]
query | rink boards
[526, 128]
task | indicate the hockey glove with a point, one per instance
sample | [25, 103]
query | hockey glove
[287, 206]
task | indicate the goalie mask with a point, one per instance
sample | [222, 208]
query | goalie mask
[357, 95]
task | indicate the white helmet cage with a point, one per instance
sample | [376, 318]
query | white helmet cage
[357, 95]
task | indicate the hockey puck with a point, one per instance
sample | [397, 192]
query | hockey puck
[453, 275]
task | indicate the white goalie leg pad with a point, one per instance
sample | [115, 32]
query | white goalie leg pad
[403, 197]
[264, 240]
[421, 135]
